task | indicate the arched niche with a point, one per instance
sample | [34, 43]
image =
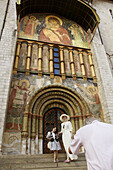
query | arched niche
[38, 104]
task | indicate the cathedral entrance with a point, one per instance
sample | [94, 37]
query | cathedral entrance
[51, 120]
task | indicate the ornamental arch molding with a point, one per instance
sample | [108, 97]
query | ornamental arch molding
[39, 103]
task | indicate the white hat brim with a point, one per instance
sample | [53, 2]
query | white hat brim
[64, 115]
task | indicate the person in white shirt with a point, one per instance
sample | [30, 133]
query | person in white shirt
[97, 139]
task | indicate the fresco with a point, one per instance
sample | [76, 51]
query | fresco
[89, 91]
[87, 65]
[52, 29]
[23, 87]
[22, 56]
[45, 59]
[20, 90]
[77, 63]
[67, 62]
[34, 57]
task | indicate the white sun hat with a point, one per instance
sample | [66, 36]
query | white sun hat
[64, 115]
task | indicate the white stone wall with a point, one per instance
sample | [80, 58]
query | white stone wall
[106, 22]
[3, 4]
[7, 51]
[101, 60]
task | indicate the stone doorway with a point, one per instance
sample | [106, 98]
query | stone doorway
[52, 119]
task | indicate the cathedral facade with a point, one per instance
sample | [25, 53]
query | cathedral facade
[56, 57]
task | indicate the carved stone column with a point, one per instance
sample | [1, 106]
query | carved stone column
[51, 67]
[29, 134]
[36, 139]
[92, 66]
[40, 59]
[28, 59]
[73, 124]
[62, 63]
[80, 122]
[24, 133]
[72, 63]
[82, 65]
[17, 58]
[76, 123]
[40, 143]
[33, 135]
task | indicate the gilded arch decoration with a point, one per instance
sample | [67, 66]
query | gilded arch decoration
[36, 106]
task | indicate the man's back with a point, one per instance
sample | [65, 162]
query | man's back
[97, 139]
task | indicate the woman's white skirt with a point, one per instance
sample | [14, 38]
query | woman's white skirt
[66, 137]
[54, 146]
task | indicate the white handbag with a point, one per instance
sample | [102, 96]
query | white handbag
[48, 145]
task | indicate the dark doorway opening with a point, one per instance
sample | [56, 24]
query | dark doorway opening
[52, 119]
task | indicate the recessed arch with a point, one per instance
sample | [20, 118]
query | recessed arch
[47, 98]
[42, 93]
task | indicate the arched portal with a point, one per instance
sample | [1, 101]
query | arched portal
[51, 119]
[39, 103]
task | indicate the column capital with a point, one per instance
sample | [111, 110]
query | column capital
[89, 52]
[80, 51]
[25, 114]
[24, 134]
[61, 48]
[29, 44]
[19, 42]
[70, 49]
[51, 45]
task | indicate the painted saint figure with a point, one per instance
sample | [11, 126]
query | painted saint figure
[79, 36]
[54, 32]
[34, 57]
[22, 56]
[45, 60]
[67, 61]
[30, 25]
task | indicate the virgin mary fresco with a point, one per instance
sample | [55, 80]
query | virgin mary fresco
[54, 32]
[52, 29]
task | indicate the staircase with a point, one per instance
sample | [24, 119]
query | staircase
[40, 162]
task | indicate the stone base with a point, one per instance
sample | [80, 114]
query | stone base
[11, 143]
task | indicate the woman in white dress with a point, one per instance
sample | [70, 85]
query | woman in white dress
[66, 130]
[54, 144]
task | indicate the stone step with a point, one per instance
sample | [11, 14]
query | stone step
[35, 160]
[55, 168]
[39, 162]
[43, 165]
[35, 156]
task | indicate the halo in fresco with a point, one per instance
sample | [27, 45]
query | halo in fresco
[52, 29]
[24, 82]
[52, 17]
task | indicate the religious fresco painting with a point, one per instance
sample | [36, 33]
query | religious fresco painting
[67, 62]
[45, 59]
[34, 57]
[77, 63]
[89, 91]
[23, 87]
[87, 65]
[22, 56]
[19, 92]
[52, 29]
